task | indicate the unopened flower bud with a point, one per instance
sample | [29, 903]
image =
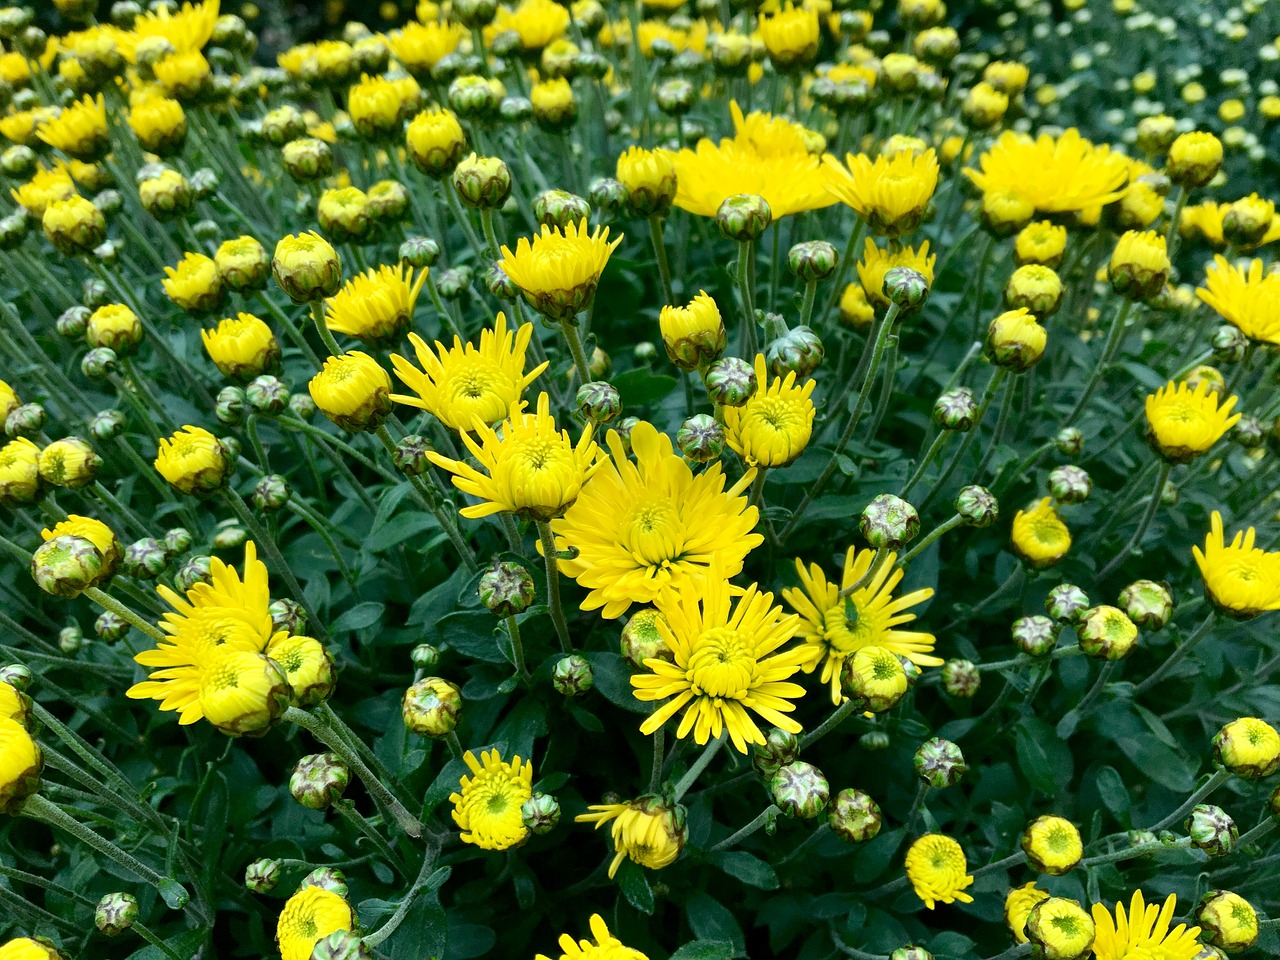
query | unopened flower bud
[977, 506]
[410, 455]
[230, 405]
[641, 640]
[798, 351]
[196, 570]
[326, 878]
[813, 260]
[1035, 636]
[1229, 344]
[431, 707]
[267, 394]
[453, 283]
[559, 208]
[1249, 432]
[70, 639]
[289, 616]
[572, 676]
[854, 817]
[1067, 603]
[961, 678]
[115, 913]
[1069, 441]
[939, 763]
[955, 409]
[540, 813]
[1070, 484]
[73, 322]
[701, 438]
[110, 627]
[420, 252]
[341, 945]
[1148, 604]
[743, 217]
[270, 493]
[598, 402]
[874, 676]
[1211, 830]
[1107, 633]
[1227, 920]
[24, 420]
[800, 790]
[144, 559]
[482, 182]
[318, 780]
[730, 382]
[906, 287]
[780, 748]
[229, 535]
[889, 522]
[425, 656]
[177, 540]
[607, 195]
[307, 159]
[911, 952]
[507, 589]
[98, 363]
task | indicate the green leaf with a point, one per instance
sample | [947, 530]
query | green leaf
[183, 945]
[406, 526]
[1042, 756]
[710, 920]
[472, 635]
[751, 870]
[705, 950]
[640, 387]
[173, 893]
[635, 886]
[466, 940]
[1115, 796]
[358, 617]
[613, 680]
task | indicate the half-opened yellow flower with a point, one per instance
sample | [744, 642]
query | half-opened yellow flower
[377, 305]
[1240, 579]
[890, 193]
[876, 262]
[647, 830]
[1143, 932]
[1063, 174]
[773, 427]
[536, 22]
[606, 947]
[1039, 536]
[1183, 423]
[1248, 299]
[558, 272]
[308, 917]
[938, 871]
[487, 806]
[80, 130]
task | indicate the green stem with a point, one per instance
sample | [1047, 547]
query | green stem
[1177, 656]
[1172, 237]
[747, 331]
[988, 394]
[517, 649]
[659, 752]
[945, 527]
[347, 810]
[402, 911]
[761, 819]
[322, 328]
[1219, 777]
[553, 585]
[491, 238]
[929, 455]
[691, 777]
[108, 602]
[582, 369]
[836, 718]
[806, 305]
[660, 253]
[1137, 850]
[1162, 477]
[146, 934]
[1114, 337]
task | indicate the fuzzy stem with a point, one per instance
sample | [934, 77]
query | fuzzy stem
[553, 585]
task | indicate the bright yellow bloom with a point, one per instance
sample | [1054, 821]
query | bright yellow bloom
[855, 311]
[352, 390]
[1039, 536]
[243, 693]
[773, 427]
[460, 384]
[183, 76]
[80, 130]
[376, 105]
[69, 462]
[1240, 579]
[420, 46]
[1230, 921]
[558, 272]
[1143, 932]
[938, 871]
[243, 346]
[536, 22]
[159, 123]
[1204, 220]
[640, 528]
[45, 187]
[195, 284]
[1052, 845]
[1060, 928]
[19, 471]
[1183, 424]
[833, 627]
[791, 36]
[20, 764]
[890, 193]
[722, 665]
[876, 262]
[532, 468]
[1248, 300]
[188, 28]
[488, 807]
[647, 830]
[306, 665]
[693, 335]
[1064, 174]
[95, 531]
[1018, 904]
[606, 947]
[1248, 747]
[377, 305]
[308, 917]
[193, 460]
[773, 136]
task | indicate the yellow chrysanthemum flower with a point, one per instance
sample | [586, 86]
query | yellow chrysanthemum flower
[876, 262]
[95, 531]
[722, 663]
[1240, 579]
[308, 917]
[193, 460]
[45, 187]
[420, 46]
[21, 761]
[1039, 536]
[1063, 174]
[375, 306]
[306, 665]
[243, 346]
[80, 130]
[1183, 424]
[195, 284]
[1248, 300]
[14, 705]
[791, 35]
[558, 272]
[1018, 904]
[1143, 932]
[890, 193]
[1052, 845]
[536, 22]
[1248, 747]
[647, 830]
[606, 947]
[488, 807]
[640, 528]
[532, 469]
[461, 384]
[938, 871]
[773, 427]
[833, 627]
[1204, 220]
[242, 693]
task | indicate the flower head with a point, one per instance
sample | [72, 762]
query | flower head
[188, 28]
[242, 693]
[1052, 845]
[1183, 424]
[195, 284]
[375, 306]
[193, 460]
[19, 471]
[420, 46]
[80, 130]
[242, 347]
[693, 335]
[606, 947]
[833, 627]
[1063, 174]
[536, 22]
[1018, 904]
[937, 870]
[724, 663]
[1039, 536]
[647, 830]
[487, 808]
[640, 528]
[558, 272]
[1142, 932]
[791, 35]
[1240, 579]
[352, 390]
[306, 267]
[875, 263]
[532, 468]
[1060, 928]
[45, 187]
[20, 763]
[891, 193]
[308, 917]
[1248, 299]
[95, 531]
[461, 384]
[773, 427]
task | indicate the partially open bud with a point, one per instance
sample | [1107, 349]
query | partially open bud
[889, 522]
[482, 182]
[1228, 920]
[436, 142]
[854, 817]
[874, 676]
[23, 761]
[649, 179]
[193, 461]
[1139, 265]
[1035, 288]
[306, 267]
[1052, 845]
[641, 640]
[1149, 604]
[800, 790]
[1248, 747]
[74, 226]
[1106, 633]
[1212, 830]
[1061, 929]
[1015, 340]
[69, 462]
[572, 676]
[1194, 159]
[693, 335]
[507, 589]
[353, 391]
[431, 707]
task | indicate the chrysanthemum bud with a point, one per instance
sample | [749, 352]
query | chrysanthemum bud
[74, 226]
[1015, 340]
[874, 676]
[94, 293]
[1149, 604]
[1069, 441]
[559, 208]
[507, 589]
[18, 161]
[115, 913]
[344, 215]
[854, 817]
[1248, 747]
[13, 230]
[318, 780]
[875, 740]
[1249, 433]
[1212, 830]
[1229, 345]
[701, 438]
[288, 615]
[66, 566]
[730, 382]
[813, 260]
[955, 409]
[648, 181]
[410, 455]
[540, 813]
[1035, 636]
[799, 789]
[780, 748]
[598, 402]
[906, 287]
[1035, 288]
[797, 351]
[270, 493]
[1156, 134]
[1107, 633]
[19, 677]
[1052, 845]
[73, 322]
[1061, 929]
[453, 283]
[267, 395]
[114, 326]
[306, 267]
[1067, 603]
[482, 182]
[911, 952]
[341, 945]
[436, 142]
[1070, 484]
[939, 763]
[641, 640]
[889, 522]
[25, 420]
[70, 639]
[230, 404]
[353, 390]
[977, 506]
[1194, 159]
[98, 363]
[961, 678]
[144, 559]
[420, 252]
[194, 461]
[572, 676]
[607, 195]
[326, 878]
[431, 707]
[743, 217]
[195, 570]
[1139, 265]
[1228, 920]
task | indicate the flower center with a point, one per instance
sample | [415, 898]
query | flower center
[652, 535]
[780, 415]
[846, 628]
[722, 664]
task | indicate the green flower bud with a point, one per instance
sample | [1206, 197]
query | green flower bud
[499, 284]
[1107, 633]
[506, 589]
[743, 217]
[812, 260]
[676, 97]
[115, 913]
[730, 382]
[17, 676]
[780, 748]
[1148, 604]
[110, 627]
[598, 402]
[800, 790]
[1066, 603]
[318, 780]
[1211, 830]
[875, 740]
[961, 678]
[270, 493]
[956, 410]
[559, 208]
[607, 195]
[282, 125]
[623, 429]
[701, 438]
[453, 282]
[939, 763]
[229, 535]
[854, 817]
[797, 351]
[911, 952]
[289, 616]
[1229, 344]
[410, 455]
[67, 566]
[18, 161]
[482, 182]
[230, 405]
[195, 570]
[24, 420]
[906, 287]
[144, 559]
[177, 540]
[94, 293]
[326, 878]
[425, 656]
[341, 945]
[1035, 636]
[1249, 432]
[73, 322]
[1069, 442]
[889, 522]
[70, 639]
[1070, 484]
[98, 363]
[641, 640]
[431, 707]
[977, 506]
[420, 252]
[540, 813]
[572, 676]
[267, 395]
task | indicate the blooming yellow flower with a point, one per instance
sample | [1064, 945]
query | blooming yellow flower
[20, 764]
[1240, 579]
[70, 462]
[193, 460]
[488, 807]
[80, 130]
[188, 28]
[938, 871]
[436, 141]
[890, 193]
[242, 347]
[1248, 300]
[242, 693]
[26, 948]
[536, 22]
[1204, 220]
[1039, 536]
[45, 187]
[649, 178]
[773, 427]
[116, 326]
[1248, 747]
[306, 267]
[833, 627]
[606, 947]
[1018, 904]
[1063, 174]
[352, 390]
[533, 468]
[1230, 921]
[375, 306]
[722, 663]
[19, 471]
[647, 830]
[1183, 424]
[159, 123]
[1143, 932]
[308, 917]
[558, 272]
[791, 36]
[461, 384]
[876, 262]
[306, 665]
[420, 46]
[195, 284]
[855, 311]
[693, 335]
[640, 528]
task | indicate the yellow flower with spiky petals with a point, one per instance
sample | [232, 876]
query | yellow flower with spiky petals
[938, 871]
[606, 947]
[1039, 536]
[558, 272]
[193, 460]
[1248, 299]
[1203, 220]
[694, 38]
[420, 46]
[188, 28]
[195, 284]
[21, 761]
[375, 306]
[461, 384]
[640, 528]
[790, 182]
[1063, 174]
[1183, 424]
[890, 193]
[308, 917]
[770, 135]
[532, 468]
[1240, 579]
[487, 808]
[80, 130]
[536, 22]
[773, 427]
[832, 627]
[876, 262]
[725, 663]
[791, 35]
[45, 187]
[243, 693]
[1143, 932]
[647, 830]
[26, 948]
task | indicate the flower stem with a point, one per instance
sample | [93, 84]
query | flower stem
[1108, 354]
[945, 527]
[660, 252]
[1137, 850]
[553, 585]
[1162, 477]
[659, 751]
[1219, 777]
[146, 934]
[1177, 656]
[322, 328]
[581, 368]
[108, 602]
[747, 331]
[402, 911]
[347, 809]
[691, 777]
[988, 394]
[761, 819]
[517, 649]
[929, 455]
[1172, 237]
[834, 720]
[806, 306]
